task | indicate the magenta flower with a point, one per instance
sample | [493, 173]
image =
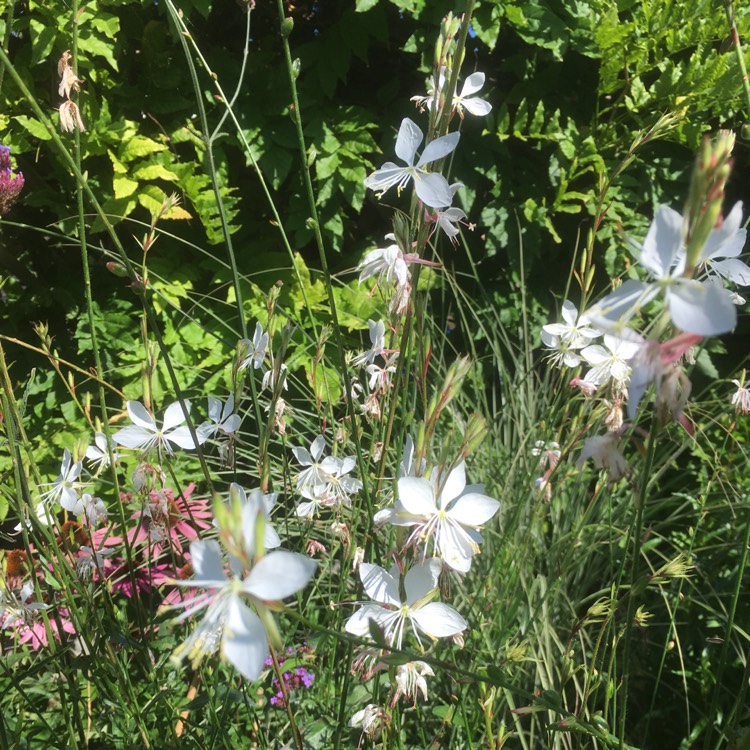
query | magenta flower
[10, 184]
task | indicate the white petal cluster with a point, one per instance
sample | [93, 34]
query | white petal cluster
[416, 612]
[431, 187]
[144, 434]
[447, 515]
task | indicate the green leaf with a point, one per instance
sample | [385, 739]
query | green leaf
[362, 6]
[139, 146]
[34, 127]
[154, 172]
[124, 187]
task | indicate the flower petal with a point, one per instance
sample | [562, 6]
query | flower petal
[472, 84]
[409, 138]
[454, 485]
[174, 415]
[733, 269]
[359, 622]
[438, 149]
[133, 436]
[279, 575]
[478, 107]
[421, 578]
[704, 309]
[417, 496]
[139, 416]
[473, 509]
[439, 620]
[663, 242]
[379, 585]
[245, 643]
[433, 189]
[207, 564]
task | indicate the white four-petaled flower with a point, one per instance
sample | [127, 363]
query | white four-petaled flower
[417, 612]
[431, 187]
[144, 435]
[450, 515]
[701, 308]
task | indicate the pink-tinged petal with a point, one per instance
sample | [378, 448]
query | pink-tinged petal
[417, 497]
[139, 416]
[359, 622]
[702, 309]
[439, 620]
[473, 509]
[379, 585]
[174, 415]
[133, 436]
[407, 143]
[438, 149]
[279, 575]
[454, 485]
[663, 242]
[207, 564]
[472, 84]
[433, 189]
[421, 578]
[477, 107]
[245, 643]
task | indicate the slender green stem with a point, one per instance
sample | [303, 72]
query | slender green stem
[637, 538]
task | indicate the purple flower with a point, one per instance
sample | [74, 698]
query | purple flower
[10, 184]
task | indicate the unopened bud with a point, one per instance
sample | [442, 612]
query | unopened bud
[703, 208]
[286, 27]
[117, 268]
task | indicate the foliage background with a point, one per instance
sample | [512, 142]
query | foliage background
[571, 85]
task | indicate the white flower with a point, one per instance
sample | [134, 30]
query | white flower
[44, 516]
[472, 104]
[222, 418]
[240, 536]
[741, 397]
[315, 474]
[431, 187]
[607, 454]
[65, 487]
[379, 376]
[447, 218]
[269, 378]
[328, 486]
[705, 309]
[433, 619]
[372, 718]
[565, 338]
[232, 604]
[727, 242]
[451, 519]
[98, 453]
[377, 341]
[92, 507]
[144, 435]
[256, 349]
[609, 361]
[651, 363]
[410, 681]
[387, 263]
